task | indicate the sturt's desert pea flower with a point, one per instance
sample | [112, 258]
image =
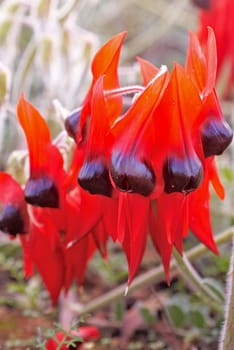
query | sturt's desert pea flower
[218, 15]
[143, 172]
[83, 334]
[13, 216]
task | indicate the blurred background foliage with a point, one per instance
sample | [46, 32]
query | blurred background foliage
[46, 47]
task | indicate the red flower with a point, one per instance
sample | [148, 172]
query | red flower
[105, 62]
[148, 170]
[201, 66]
[44, 187]
[219, 15]
[133, 152]
[13, 213]
[87, 333]
[94, 174]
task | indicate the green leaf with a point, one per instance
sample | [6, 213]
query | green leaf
[176, 310]
[147, 315]
[196, 318]
[176, 315]
[119, 310]
[215, 286]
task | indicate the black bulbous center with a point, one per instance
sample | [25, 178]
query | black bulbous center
[131, 174]
[72, 124]
[11, 220]
[216, 135]
[182, 175]
[94, 177]
[42, 192]
[203, 4]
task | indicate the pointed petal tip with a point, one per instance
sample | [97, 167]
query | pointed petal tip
[213, 247]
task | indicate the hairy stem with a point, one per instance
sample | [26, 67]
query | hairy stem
[227, 333]
[192, 277]
[125, 90]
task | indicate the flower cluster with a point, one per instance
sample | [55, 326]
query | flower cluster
[218, 15]
[136, 172]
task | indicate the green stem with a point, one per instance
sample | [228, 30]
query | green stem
[227, 334]
[192, 277]
[145, 279]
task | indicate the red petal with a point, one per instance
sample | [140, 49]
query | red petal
[36, 132]
[159, 235]
[199, 214]
[87, 333]
[175, 124]
[83, 212]
[76, 260]
[134, 132]
[133, 227]
[148, 70]
[105, 62]
[99, 129]
[108, 55]
[11, 191]
[48, 259]
[214, 178]
[12, 194]
[201, 65]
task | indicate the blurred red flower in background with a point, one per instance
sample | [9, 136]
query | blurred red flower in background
[85, 333]
[219, 14]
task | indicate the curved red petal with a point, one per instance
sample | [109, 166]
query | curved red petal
[36, 132]
[105, 62]
[199, 214]
[148, 70]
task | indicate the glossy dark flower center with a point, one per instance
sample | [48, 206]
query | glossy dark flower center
[131, 174]
[94, 177]
[216, 135]
[182, 175]
[42, 192]
[203, 4]
[72, 124]
[11, 221]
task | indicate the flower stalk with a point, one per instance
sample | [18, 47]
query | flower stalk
[189, 273]
[145, 279]
[227, 334]
[124, 90]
